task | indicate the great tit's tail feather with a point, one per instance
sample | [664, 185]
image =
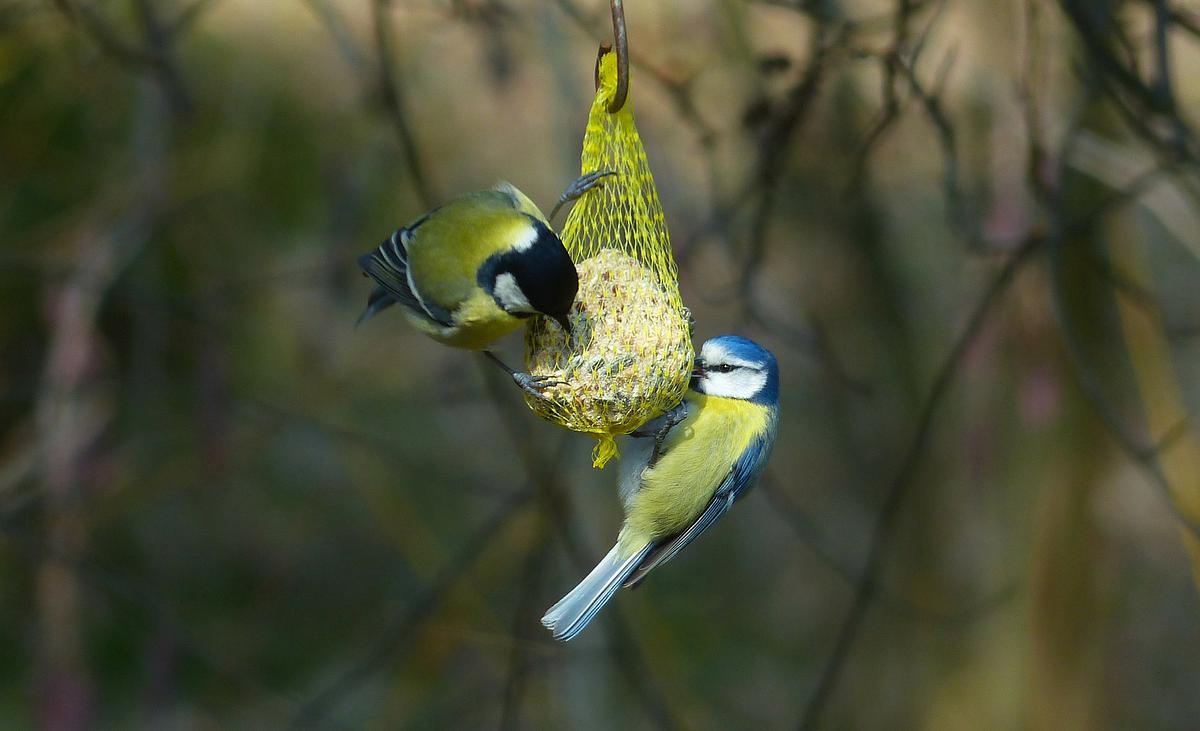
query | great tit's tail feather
[379, 301]
[388, 266]
[571, 614]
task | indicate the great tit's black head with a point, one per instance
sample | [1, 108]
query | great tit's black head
[536, 276]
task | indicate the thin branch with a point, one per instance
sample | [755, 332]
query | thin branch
[628, 656]
[403, 630]
[336, 26]
[868, 582]
[1143, 101]
[153, 53]
[773, 152]
[804, 529]
[1140, 452]
[524, 619]
[393, 102]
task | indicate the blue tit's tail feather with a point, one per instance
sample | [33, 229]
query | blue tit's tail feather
[572, 613]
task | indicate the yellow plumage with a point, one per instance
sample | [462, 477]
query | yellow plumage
[697, 456]
[445, 254]
[474, 269]
[477, 323]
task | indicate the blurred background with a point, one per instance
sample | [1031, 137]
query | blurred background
[968, 229]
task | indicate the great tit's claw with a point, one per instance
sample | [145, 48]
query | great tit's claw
[578, 187]
[534, 385]
[585, 183]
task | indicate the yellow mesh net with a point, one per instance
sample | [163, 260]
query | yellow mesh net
[630, 353]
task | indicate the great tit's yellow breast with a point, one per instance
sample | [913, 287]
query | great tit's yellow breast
[477, 323]
[697, 456]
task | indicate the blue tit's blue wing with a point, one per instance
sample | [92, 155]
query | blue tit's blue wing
[740, 479]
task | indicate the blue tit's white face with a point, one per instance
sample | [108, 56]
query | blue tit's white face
[737, 368]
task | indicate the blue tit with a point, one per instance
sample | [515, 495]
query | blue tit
[474, 269]
[704, 455]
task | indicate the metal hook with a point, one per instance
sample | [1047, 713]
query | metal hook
[622, 44]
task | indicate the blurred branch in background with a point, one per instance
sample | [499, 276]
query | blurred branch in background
[154, 52]
[393, 102]
[76, 403]
[866, 587]
[395, 640]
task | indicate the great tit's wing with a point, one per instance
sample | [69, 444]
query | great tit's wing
[447, 250]
[518, 200]
[741, 478]
[388, 266]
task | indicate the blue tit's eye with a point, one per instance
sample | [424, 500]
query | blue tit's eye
[724, 368]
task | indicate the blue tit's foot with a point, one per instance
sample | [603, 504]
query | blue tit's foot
[534, 385]
[673, 418]
[578, 187]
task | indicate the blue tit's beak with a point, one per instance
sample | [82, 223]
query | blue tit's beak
[697, 372]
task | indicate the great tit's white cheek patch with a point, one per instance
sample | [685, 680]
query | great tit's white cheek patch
[525, 240]
[509, 293]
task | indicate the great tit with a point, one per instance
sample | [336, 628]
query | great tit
[475, 268]
[704, 455]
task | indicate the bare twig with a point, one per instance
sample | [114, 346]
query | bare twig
[774, 145]
[628, 656]
[393, 101]
[524, 620]
[1142, 102]
[153, 53]
[900, 606]
[1143, 453]
[335, 25]
[867, 586]
[403, 630]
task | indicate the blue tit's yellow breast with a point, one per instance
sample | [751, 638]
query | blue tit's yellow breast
[697, 456]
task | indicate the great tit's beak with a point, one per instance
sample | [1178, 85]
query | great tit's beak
[565, 321]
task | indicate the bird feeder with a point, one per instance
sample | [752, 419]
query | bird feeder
[629, 356]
